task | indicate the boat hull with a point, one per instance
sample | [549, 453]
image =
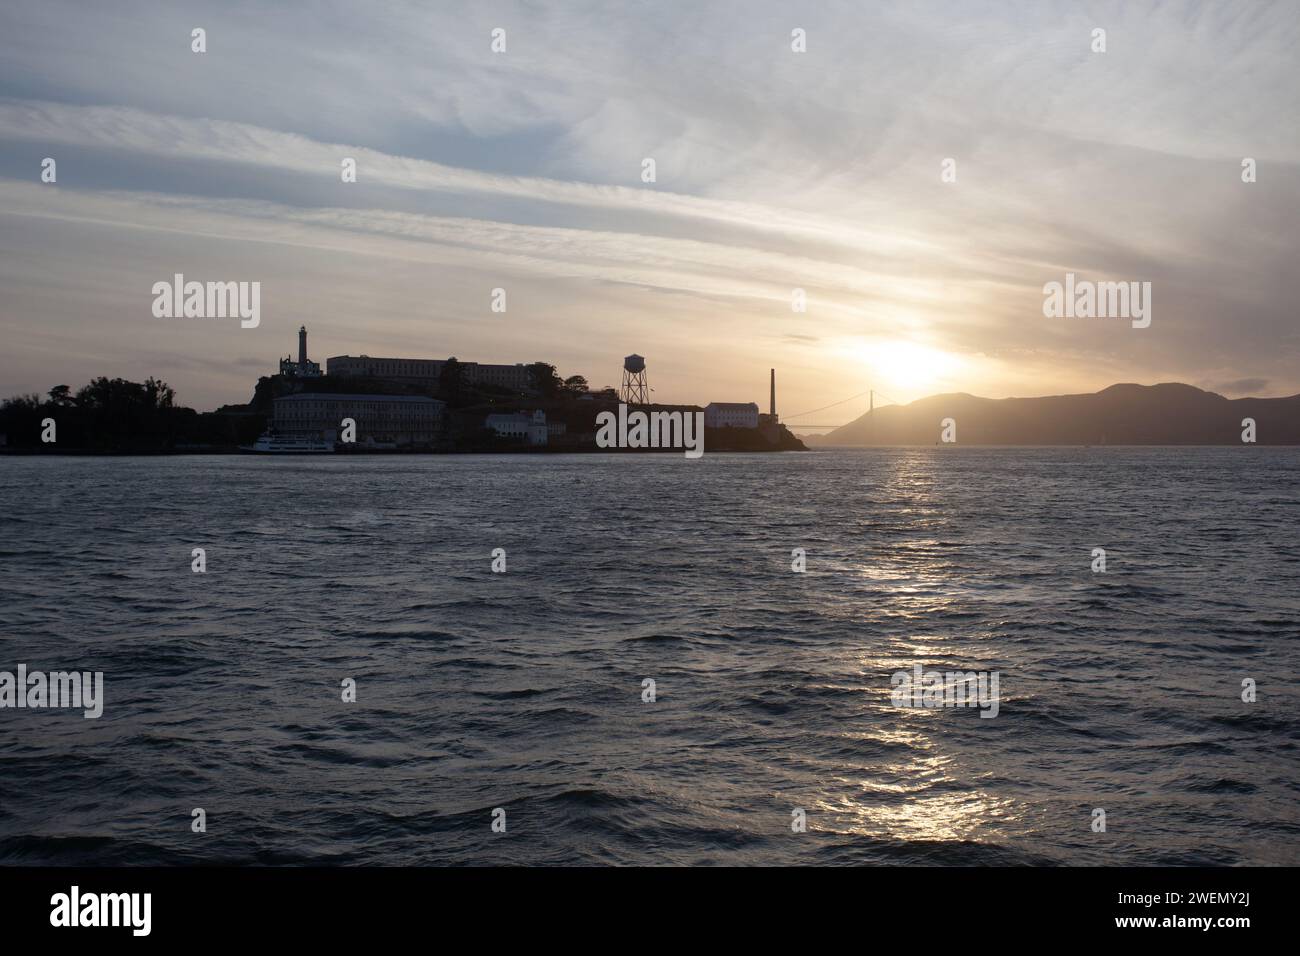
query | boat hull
[273, 445]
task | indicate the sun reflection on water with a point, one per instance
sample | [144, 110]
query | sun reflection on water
[924, 796]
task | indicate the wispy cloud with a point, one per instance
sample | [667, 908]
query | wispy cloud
[776, 170]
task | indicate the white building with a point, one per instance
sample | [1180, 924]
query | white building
[520, 426]
[731, 415]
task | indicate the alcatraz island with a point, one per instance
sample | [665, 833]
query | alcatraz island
[360, 404]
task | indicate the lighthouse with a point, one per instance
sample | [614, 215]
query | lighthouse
[303, 368]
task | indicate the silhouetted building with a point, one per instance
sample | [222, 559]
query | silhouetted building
[427, 373]
[384, 419]
[303, 368]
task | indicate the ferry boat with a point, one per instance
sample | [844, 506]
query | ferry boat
[270, 444]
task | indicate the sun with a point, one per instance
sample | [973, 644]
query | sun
[907, 367]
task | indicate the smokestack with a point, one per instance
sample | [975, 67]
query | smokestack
[773, 404]
[302, 345]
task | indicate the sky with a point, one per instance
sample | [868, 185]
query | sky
[775, 170]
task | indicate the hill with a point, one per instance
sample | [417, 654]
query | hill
[1167, 414]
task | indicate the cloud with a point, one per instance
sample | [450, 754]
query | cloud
[776, 171]
[178, 137]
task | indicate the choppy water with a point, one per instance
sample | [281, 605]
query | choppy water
[523, 690]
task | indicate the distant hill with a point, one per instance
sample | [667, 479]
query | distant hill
[1168, 414]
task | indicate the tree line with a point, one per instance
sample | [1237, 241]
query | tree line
[114, 414]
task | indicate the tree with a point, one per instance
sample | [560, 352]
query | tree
[545, 380]
[20, 419]
[61, 395]
[107, 413]
[158, 393]
[23, 403]
[576, 385]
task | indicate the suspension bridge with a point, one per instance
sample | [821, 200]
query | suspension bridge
[790, 419]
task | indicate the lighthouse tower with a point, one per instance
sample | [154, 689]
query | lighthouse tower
[304, 367]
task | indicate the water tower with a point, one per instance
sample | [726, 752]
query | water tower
[636, 390]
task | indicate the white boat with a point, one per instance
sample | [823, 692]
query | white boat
[269, 444]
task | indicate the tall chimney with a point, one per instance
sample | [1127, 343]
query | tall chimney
[302, 345]
[773, 405]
